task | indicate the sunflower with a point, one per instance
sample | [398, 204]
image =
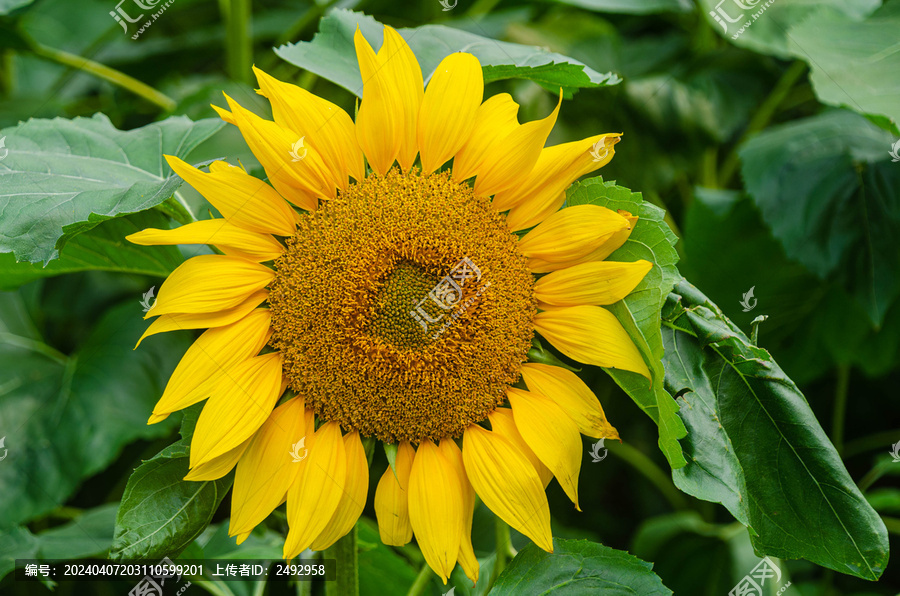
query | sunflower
[369, 290]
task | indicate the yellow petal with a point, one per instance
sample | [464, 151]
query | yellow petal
[551, 434]
[572, 395]
[598, 283]
[571, 233]
[601, 252]
[592, 335]
[436, 508]
[243, 200]
[231, 239]
[209, 357]
[315, 496]
[507, 483]
[268, 469]
[466, 556]
[275, 148]
[393, 90]
[503, 424]
[448, 111]
[240, 403]
[178, 322]
[218, 466]
[326, 127]
[209, 283]
[391, 499]
[494, 120]
[533, 198]
[353, 500]
[223, 114]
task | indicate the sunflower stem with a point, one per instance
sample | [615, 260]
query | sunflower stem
[347, 578]
[238, 39]
[840, 407]
[503, 548]
[421, 582]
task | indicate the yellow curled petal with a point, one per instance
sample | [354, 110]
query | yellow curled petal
[572, 395]
[231, 239]
[178, 322]
[315, 496]
[214, 353]
[551, 434]
[218, 466]
[507, 483]
[436, 508]
[466, 556]
[605, 249]
[240, 403]
[269, 468]
[391, 499]
[571, 233]
[592, 335]
[597, 283]
[223, 114]
[326, 127]
[353, 500]
[209, 283]
[447, 115]
[533, 198]
[503, 424]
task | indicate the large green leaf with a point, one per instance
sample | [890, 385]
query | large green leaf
[102, 248]
[7, 6]
[639, 313]
[66, 418]
[64, 177]
[578, 567]
[778, 471]
[632, 6]
[331, 55]
[827, 188]
[849, 61]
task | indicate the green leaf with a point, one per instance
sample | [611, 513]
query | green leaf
[639, 313]
[102, 248]
[89, 534]
[578, 567]
[784, 476]
[7, 6]
[381, 569]
[332, 56]
[65, 418]
[848, 61]
[390, 451]
[827, 189]
[632, 6]
[64, 177]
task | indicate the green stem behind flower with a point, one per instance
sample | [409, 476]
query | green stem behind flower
[344, 551]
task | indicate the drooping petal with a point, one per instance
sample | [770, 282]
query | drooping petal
[494, 120]
[597, 283]
[592, 335]
[179, 321]
[391, 499]
[448, 111]
[218, 466]
[231, 239]
[503, 424]
[572, 395]
[326, 127]
[601, 252]
[353, 500]
[240, 403]
[214, 353]
[466, 556]
[209, 283]
[571, 233]
[268, 468]
[243, 200]
[436, 508]
[551, 434]
[507, 483]
[315, 496]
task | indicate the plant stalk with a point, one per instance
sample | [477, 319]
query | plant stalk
[344, 551]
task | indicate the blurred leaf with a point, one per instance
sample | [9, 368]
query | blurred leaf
[103, 248]
[7, 6]
[885, 500]
[16, 543]
[89, 534]
[64, 177]
[578, 567]
[381, 569]
[331, 55]
[639, 313]
[65, 418]
[828, 191]
[262, 543]
[848, 61]
[632, 6]
[801, 501]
